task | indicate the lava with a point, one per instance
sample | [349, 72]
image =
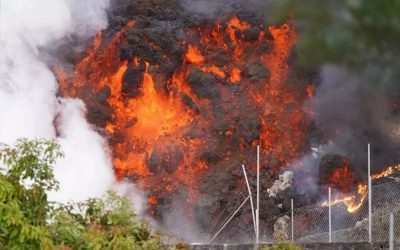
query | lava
[160, 126]
[342, 178]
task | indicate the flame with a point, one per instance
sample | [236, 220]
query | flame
[355, 201]
[389, 171]
[352, 202]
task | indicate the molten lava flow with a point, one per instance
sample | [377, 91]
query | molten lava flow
[194, 55]
[342, 178]
[344, 175]
[163, 127]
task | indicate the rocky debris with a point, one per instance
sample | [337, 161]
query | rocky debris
[252, 34]
[333, 162]
[132, 81]
[316, 151]
[281, 229]
[166, 157]
[204, 85]
[362, 223]
[256, 72]
[284, 181]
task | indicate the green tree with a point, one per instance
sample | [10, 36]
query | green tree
[26, 174]
[349, 33]
[29, 221]
[107, 223]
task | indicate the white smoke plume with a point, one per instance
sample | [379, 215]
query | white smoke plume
[28, 102]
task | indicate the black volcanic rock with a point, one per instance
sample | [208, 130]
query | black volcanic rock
[204, 85]
[165, 158]
[131, 82]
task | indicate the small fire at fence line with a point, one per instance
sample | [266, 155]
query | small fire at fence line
[354, 201]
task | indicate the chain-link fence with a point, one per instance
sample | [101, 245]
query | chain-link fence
[317, 224]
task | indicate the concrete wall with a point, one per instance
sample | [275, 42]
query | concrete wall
[305, 246]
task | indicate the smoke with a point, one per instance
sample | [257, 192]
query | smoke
[354, 109]
[29, 106]
[215, 9]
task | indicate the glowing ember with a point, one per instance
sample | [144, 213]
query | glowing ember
[343, 179]
[194, 55]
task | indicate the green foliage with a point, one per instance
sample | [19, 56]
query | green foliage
[25, 176]
[283, 246]
[108, 223]
[29, 221]
[343, 32]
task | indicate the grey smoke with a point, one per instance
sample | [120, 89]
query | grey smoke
[353, 107]
[215, 9]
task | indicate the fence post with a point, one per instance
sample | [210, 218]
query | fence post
[258, 196]
[291, 205]
[391, 231]
[369, 196]
[330, 216]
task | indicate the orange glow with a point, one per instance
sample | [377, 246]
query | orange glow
[152, 200]
[193, 55]
[214, 70]
[310, 91]
[235, 75]
[342, 178]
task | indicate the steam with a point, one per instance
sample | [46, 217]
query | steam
[29, 106]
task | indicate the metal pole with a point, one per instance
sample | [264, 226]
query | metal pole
[330, 216]
[369, 196]
[251, 199]
[391, 231]
[230, 218]
[258, 195]
[292, 212]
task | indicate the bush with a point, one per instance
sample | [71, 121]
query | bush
[29, 221]
[283, 246]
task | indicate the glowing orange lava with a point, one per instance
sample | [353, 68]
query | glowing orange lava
[158, 134]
